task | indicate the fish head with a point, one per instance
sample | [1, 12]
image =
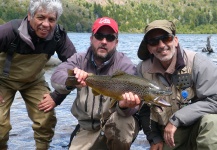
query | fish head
[159, 100]
[156, 96]
[153, 99]
[158, 91]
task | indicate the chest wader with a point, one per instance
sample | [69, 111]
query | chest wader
[73, 134]
[43, 123]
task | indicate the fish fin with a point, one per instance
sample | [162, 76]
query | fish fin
[163, 103]
[70, 72]
[95, 93]
[113, 102]
[91, 74]
[71, 80]
[141, 104]
[159, 107]
[118, 73]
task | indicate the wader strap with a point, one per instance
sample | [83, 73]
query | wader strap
[13, 46]
[73, 134]
[57, 35]
[10, 52]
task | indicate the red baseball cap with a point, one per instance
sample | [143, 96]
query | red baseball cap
[104, 21]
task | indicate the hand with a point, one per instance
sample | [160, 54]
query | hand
[158, 146]
[169, 132]
[81, 76]
[47, 103]
[130, 100]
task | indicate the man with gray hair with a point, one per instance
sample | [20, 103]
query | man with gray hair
[25, 47]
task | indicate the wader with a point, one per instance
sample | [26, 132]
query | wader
[118, 133]
[192, 137]
[32, 94]
[21, 70]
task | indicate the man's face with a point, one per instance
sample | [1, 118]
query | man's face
[161, 44]
[104, 43]
[43, 23]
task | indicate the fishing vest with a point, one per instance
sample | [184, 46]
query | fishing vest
[18, 58]
[180, 82]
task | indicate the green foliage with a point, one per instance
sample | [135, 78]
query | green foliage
[190, 16]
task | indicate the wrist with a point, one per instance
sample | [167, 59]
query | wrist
[122, 107]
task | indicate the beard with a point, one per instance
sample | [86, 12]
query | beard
[166, 58]
[171, 51]
[102, 57]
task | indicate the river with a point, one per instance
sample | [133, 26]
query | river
[21, 135]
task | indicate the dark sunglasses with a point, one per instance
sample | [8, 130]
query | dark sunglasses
[108, 37]
[165, 39]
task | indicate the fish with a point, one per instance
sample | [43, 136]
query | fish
[120, 82]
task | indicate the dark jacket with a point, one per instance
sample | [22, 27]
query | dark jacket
[32, 52]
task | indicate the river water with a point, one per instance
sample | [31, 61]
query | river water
[21, 135]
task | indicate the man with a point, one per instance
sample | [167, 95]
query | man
[191, 122]
[26, 45]
[101, 127]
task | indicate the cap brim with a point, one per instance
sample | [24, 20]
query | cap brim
[143, 52]
[95, 30]
[161, 28]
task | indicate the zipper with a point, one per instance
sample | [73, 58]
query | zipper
[92, 113]
[86, 99]
[100, 104]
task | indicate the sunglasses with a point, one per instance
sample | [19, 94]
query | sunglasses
[165, 39]
[108, 37]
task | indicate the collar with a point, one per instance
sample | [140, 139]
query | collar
[104, 63]
[24, 34]
[89, 56]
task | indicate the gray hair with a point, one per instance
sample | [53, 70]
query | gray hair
[47, 5]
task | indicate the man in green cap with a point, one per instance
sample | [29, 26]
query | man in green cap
[191, 122]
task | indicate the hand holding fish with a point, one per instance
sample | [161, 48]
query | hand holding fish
[130, 100]
[81, 75]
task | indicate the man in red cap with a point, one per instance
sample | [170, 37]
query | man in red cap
[99, 126]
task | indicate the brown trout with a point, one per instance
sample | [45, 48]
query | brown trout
[114, 86]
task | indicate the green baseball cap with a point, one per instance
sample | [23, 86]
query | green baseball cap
[165, 25]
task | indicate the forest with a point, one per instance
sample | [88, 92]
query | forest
[190, 16]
